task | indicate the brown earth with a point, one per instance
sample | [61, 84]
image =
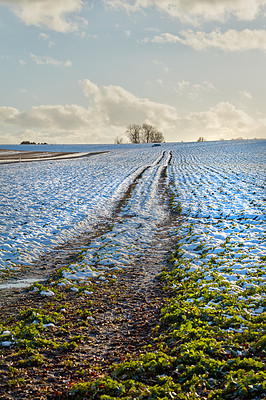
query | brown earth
[27, 156]
[125, 311]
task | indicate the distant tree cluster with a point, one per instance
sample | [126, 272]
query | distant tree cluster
[28, 142]
[144, 134]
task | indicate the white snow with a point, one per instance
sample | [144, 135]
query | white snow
[47, 293]
[5, 333]
[220, 187]
[50, 325]
[43, 204]
[6, 343]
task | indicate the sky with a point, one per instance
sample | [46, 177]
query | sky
[81, 71]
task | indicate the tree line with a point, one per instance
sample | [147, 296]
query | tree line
[29, 142]
[144, 134]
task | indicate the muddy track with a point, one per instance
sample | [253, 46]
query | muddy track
[29, 156]
[125, 314]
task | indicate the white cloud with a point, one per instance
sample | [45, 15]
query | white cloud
[246, 95]
[196, 11]
[7, 114]
[48, 117]
[50, 61]
[49, 13]
[164, 38]
[160, 82]
[194, 90]
[165, 68]
[44, 36]
[230, 40]
[27, 93]
[222, 121]
[229, 117]
[112, 108]
[120, 107]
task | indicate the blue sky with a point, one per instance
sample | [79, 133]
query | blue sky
[77, 71]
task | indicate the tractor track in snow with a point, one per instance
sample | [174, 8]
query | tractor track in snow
[66, 253]
[63, 255]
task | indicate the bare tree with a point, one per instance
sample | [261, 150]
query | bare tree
[118, 140]
[150, 134]
[157, 137]
[133, 132]
[144, 134]
[147, 133]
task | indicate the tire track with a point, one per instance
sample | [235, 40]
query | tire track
[147, 190]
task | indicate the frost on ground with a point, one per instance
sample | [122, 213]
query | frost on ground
[140, 214]
[222, 239]
[219, 187]
[221, 190]
[47, 203]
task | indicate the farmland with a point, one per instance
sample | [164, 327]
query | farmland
[198, 205]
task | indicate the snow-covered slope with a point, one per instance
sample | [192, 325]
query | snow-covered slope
[219, 186]
[45, 203]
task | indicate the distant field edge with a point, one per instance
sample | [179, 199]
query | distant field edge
[16, 156]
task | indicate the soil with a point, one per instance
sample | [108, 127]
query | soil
[125, 312]
[8, 156]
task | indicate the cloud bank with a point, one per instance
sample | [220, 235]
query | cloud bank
[118, 106]
[112, 108]
[63, 15]
[231, 40]
[196, 11]
[52, 14]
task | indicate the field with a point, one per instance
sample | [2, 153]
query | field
[180, 229]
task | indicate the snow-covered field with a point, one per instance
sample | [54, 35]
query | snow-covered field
[218, 185]
[43, 204]
[211, 334]
[221, 190]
